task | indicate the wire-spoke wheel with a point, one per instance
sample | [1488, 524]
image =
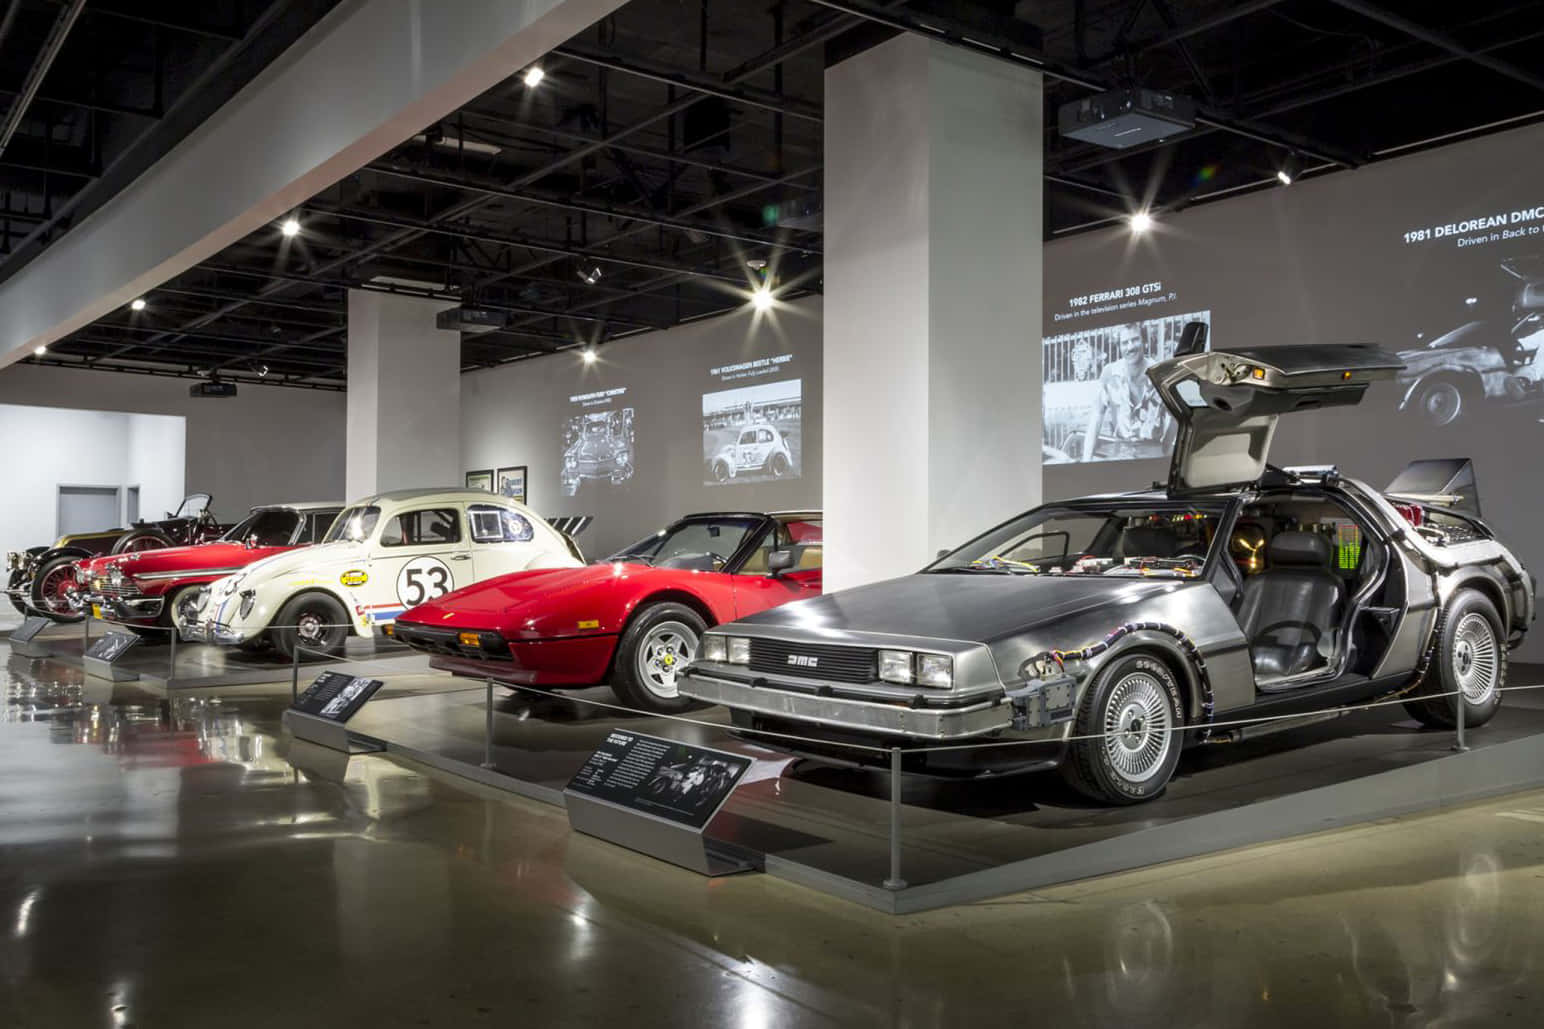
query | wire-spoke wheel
[1469, 666]
[1128, 733]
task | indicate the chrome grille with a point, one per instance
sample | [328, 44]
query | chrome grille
[812, 661]
[125, 590]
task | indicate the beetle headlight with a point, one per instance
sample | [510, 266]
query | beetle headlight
[935, 670]
[895, 666]
[248, 598]
[715, 648]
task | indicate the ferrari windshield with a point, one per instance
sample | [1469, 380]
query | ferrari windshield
[1122, 539]
[704, 543]
[354, 524]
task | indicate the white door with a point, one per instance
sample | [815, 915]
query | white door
[417, 554]
[501, 540]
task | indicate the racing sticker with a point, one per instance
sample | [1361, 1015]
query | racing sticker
[355, 577]
[421, 579]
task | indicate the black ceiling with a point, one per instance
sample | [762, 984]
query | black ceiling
[676, 146]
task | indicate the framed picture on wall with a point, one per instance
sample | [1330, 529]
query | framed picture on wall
[510, 482]
[482, 480]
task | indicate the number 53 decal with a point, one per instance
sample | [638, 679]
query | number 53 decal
[421, 579]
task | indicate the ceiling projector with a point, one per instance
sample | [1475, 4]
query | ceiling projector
[1125, 117]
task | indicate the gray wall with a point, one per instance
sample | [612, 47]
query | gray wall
[1380, 255]
[266, 444]
[516, 415]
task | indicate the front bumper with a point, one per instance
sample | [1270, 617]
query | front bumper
[572, 661]
[210, 631]
[934, 724]
[126, 609]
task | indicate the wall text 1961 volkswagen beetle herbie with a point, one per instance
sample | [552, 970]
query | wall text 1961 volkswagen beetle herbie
[1114, 630]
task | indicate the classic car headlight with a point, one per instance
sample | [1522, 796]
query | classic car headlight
[739, 650]
[905, 668]
[12, 561]
[115, 575]
[248, 598]
[715, 648]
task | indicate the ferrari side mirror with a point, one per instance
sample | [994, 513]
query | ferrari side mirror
[780, 561]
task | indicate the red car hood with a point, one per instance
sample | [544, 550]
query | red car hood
[211, 556]
[509, 602]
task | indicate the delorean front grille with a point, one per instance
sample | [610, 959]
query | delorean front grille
[812, 661]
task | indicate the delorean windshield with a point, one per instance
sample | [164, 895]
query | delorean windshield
[1121, 539]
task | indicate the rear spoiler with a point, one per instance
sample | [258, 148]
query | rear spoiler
[1446, 482]
[569, 526]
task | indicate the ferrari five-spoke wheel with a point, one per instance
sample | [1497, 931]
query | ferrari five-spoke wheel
[1128, 732]
[310, 623]
[659, 640]
[1470, 663]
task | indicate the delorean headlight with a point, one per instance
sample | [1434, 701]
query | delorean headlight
[739, 650]
[935, 670]
[895, 666]
[715, 648]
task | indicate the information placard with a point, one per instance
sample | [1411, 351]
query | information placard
[111, 647]
[676, 781]
[336, 696]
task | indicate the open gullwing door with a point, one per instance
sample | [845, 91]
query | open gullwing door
[1227, 402]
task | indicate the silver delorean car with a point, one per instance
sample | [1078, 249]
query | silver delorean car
[1102, 635]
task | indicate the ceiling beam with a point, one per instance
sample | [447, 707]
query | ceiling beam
[1442, 41]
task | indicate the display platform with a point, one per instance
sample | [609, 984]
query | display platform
[827, 827]
[200, 666]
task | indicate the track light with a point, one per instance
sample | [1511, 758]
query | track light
[137, 304]
[291, 227]
[1288, 172]
[533, 76]
[588, 355]
[1140, 222]
[589, 274]
[762, 299]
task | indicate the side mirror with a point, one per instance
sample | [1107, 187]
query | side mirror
[780, 561]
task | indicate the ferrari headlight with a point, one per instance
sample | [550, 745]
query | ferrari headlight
[715, 648]
[935, 670]
[739, 650]
[895, 666]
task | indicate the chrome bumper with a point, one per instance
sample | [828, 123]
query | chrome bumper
[125, 607]
[919, 723]
[211, 632]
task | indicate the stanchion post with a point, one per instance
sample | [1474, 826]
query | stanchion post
[487, 761]
[1460, 702]
[85, 635]
[295, 674]
[895, 882]
[171, 660]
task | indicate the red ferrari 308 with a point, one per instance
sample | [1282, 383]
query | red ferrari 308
[632, 620]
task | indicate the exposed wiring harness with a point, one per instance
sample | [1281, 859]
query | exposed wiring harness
[1186, 645]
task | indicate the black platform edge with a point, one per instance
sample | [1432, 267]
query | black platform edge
[486, 776]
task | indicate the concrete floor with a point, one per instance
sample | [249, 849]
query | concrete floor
[163, 864]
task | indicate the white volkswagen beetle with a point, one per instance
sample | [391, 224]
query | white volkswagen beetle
[382, 556]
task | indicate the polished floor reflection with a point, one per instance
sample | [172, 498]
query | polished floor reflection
[176, 862]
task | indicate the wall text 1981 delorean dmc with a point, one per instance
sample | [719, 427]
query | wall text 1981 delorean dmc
[1114, 630]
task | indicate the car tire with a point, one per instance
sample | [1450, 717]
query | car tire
[142, 539]
[721, 471]
[47, 581]
[168, 617]
[778, 465]
[660, 638]
[1439, 402]
[1136, 692]
[323, 626]
[1471, 661]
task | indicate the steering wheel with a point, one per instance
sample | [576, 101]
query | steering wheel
[718, 560]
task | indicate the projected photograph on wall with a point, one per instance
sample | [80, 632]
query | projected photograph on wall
[598, 446]
[1481, 350]
[754, 433]
[1098, 404]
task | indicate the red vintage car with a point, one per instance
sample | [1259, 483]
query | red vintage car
[143, 588]
[631, 620]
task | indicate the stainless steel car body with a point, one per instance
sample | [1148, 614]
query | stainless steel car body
[998, 628]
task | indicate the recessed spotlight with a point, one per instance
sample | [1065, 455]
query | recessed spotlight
[761, 299]
[534, 75]
[756, 264]
[40, 351]
[1290, 168]
[1283, 176]
[137, 304]
[1140, 222]
[588, 355]
[290, 228]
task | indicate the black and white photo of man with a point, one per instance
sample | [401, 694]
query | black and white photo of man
[1127, 417]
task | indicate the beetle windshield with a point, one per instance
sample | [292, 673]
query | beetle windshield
[355, 524]
[1122, 539]
[701, 543]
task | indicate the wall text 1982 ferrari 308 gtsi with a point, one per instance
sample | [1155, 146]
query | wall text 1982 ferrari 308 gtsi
[632, 620]
[1101, 635]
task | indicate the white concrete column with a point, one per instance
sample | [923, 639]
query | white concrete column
[933, 164]
[404, 395]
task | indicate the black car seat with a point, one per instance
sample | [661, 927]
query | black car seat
[1147, 541]
[1291, 610]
